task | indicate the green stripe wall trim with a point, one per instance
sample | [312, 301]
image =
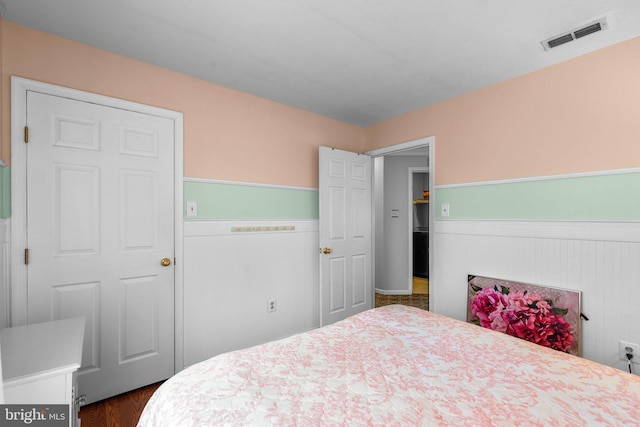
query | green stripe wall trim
[244, 201]
[612, 196]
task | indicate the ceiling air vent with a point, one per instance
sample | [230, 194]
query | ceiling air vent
[592, 27]
[559, 40]
[587, 30]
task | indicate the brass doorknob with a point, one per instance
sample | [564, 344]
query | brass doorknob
[165, 262]
[326, 250]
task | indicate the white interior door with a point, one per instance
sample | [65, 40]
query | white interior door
[100, 217]
[345, 234]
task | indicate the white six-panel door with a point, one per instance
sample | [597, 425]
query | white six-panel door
[100, 218]
[345, 234]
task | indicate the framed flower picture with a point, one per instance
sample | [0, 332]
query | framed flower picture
[543, 315]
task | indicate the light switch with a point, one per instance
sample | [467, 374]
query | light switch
[444, 209]
[192, 208]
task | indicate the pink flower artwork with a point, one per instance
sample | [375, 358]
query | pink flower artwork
[525, 311]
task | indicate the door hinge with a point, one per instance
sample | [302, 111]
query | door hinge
[26, 134]
[26, 256]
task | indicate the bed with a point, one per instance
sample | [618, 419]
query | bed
[397, 365]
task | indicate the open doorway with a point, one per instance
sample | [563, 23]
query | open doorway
[393, 207]
[418, 220]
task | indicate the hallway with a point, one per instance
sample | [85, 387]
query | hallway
[419, 298]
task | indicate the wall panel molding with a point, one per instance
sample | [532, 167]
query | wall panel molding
[221, 228]
[5, 274]
[619, 231]
[598, 258]
[230, 275]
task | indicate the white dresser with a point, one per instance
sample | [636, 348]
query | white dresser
[40, 363]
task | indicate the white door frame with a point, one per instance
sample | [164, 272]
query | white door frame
[429, 142]
[19, 88]
[411, 171]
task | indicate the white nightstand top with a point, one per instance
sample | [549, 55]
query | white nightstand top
[41, 348]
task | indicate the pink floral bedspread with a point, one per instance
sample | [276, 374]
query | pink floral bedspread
[397, 366]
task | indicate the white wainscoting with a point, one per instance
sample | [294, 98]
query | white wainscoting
[601, 259]
[5, 274]
[230, 274]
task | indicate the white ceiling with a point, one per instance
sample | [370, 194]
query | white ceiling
[358, 61]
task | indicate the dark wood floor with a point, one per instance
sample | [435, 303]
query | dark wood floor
[119, 411]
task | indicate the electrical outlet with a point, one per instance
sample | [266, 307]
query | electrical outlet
[624, 348]
[271, 305]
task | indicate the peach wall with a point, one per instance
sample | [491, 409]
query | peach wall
[228, 135]
[2, 156]
[580, 115]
